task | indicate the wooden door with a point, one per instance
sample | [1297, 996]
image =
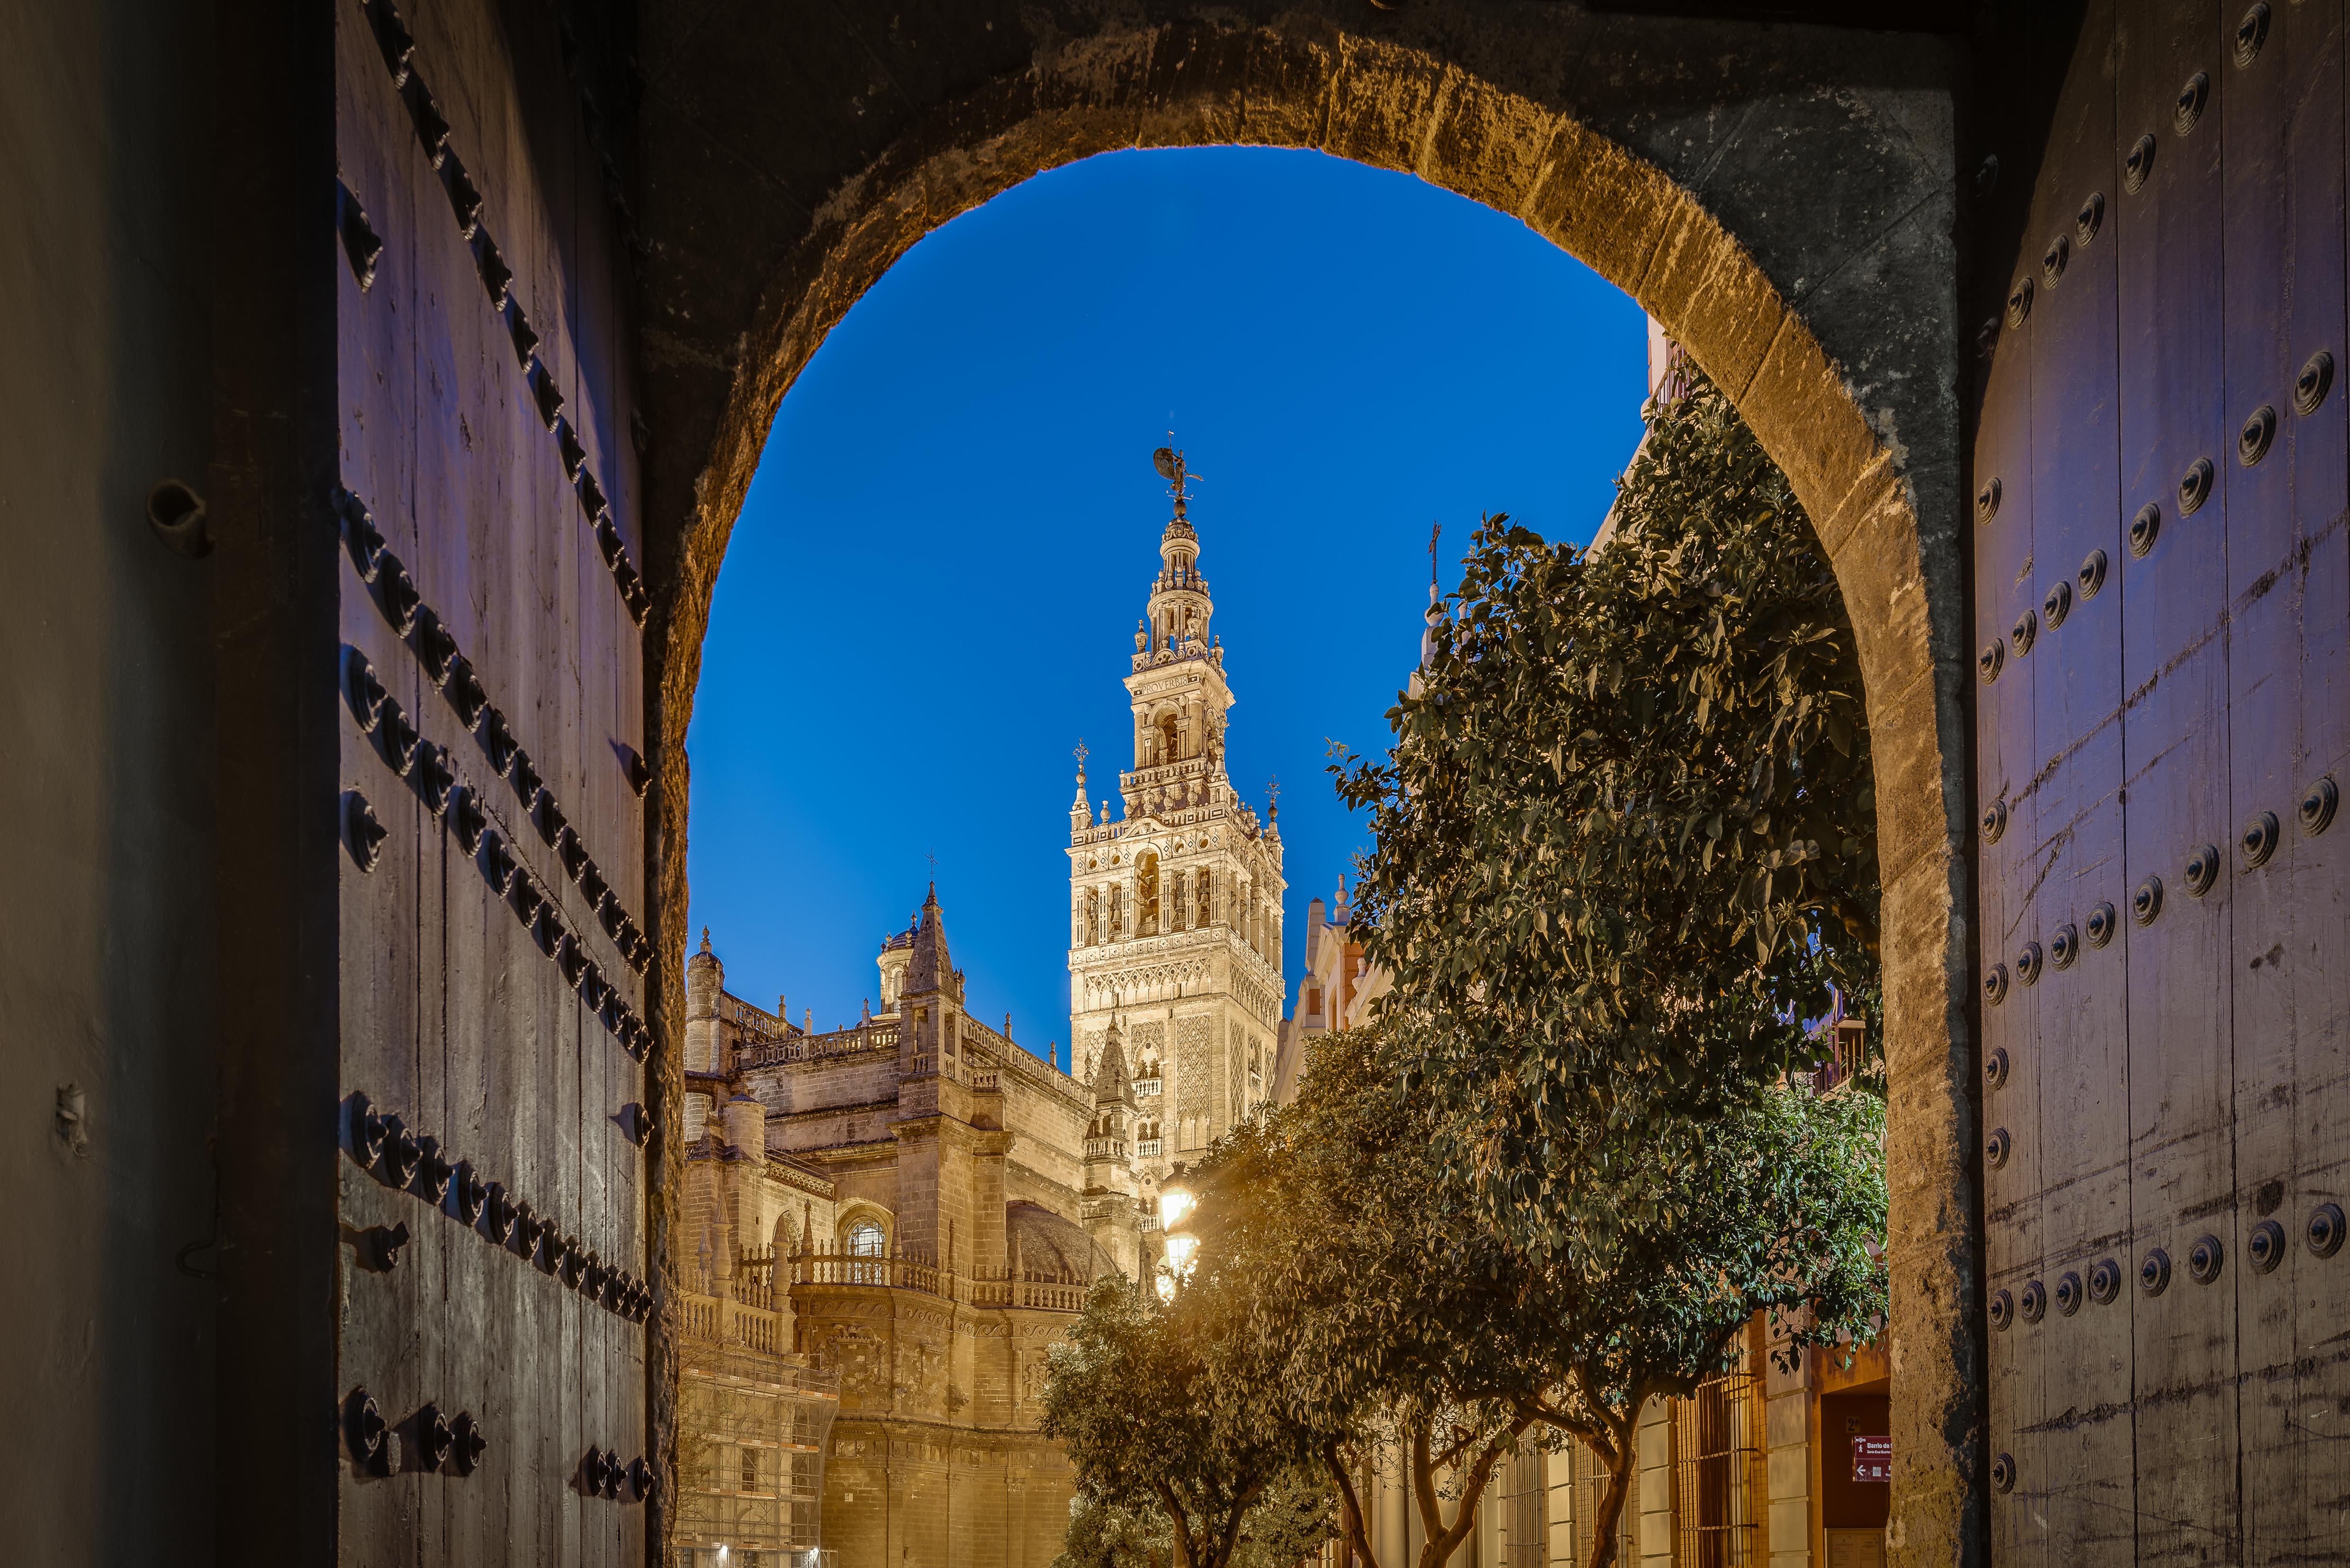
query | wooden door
[439, 1280]
[2159, 581]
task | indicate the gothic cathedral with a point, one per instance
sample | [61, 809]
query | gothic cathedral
[1175, 908]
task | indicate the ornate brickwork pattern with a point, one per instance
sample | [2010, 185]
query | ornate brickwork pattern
[1194, 1067]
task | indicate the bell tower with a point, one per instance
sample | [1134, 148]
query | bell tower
[1175, 904]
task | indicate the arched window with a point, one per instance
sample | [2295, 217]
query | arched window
[1182, 902]
[1168, 750]
[1146, 896]
[867, 1240]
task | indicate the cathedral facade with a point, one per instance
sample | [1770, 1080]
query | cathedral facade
[887, 1226]
[1175, 925]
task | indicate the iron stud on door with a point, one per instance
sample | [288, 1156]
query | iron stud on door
[2252, 32]
[2325, 1227]
[2202, 869]
[2195, 486]
[2317, 806]
[2253, 440]
[2057, 605]
[2265, 1246]
[2257, 839]
[2316, 379]
[2091, 574]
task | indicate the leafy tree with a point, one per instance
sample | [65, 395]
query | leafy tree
[1287, 1525]
[1103, 1534]
[1163, 1416]
[1386, 1313]
[1782, 1210]
[1625, 838]
[1379, 1311]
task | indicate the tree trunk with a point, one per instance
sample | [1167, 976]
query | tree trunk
[1179, 1531]
[1355, 1534]
[1444, 1540]
[1611, 1503]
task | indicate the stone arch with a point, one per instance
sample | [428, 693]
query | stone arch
[856, 1216]
[1682, 161]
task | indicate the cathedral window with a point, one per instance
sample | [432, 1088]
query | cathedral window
[866, 1239]
[1183, 902]
[1116, 909]
[1146, 896]
[1169, 750]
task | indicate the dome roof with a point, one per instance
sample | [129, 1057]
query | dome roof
[1047, 1245]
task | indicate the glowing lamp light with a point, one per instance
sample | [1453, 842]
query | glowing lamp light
[1183, 1247]
[1175, 1200]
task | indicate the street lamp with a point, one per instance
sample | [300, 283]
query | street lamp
[1176, 1202]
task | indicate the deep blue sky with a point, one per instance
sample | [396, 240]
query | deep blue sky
[931, 593]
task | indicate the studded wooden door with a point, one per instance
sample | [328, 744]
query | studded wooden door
[2160, 579]
[433, 658]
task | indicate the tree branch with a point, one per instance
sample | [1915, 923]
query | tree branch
[1185, 1557]
[1350, 1515]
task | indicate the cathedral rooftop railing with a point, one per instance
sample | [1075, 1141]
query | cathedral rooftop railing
[857, 1040]
[1027, 1289]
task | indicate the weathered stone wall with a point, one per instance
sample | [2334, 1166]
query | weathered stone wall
[109, 728]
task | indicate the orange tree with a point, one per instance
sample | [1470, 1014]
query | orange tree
[1162, 1411]
[1379, 1310]
[1624, 841]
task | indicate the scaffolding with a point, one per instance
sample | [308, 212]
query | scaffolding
[751, 1426]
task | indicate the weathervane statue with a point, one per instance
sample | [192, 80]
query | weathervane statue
[1168, 460]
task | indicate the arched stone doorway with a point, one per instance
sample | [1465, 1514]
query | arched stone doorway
[1829, 317]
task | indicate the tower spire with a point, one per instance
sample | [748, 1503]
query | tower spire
[1187, 867]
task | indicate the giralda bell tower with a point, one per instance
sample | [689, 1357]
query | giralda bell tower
[1175, 906]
